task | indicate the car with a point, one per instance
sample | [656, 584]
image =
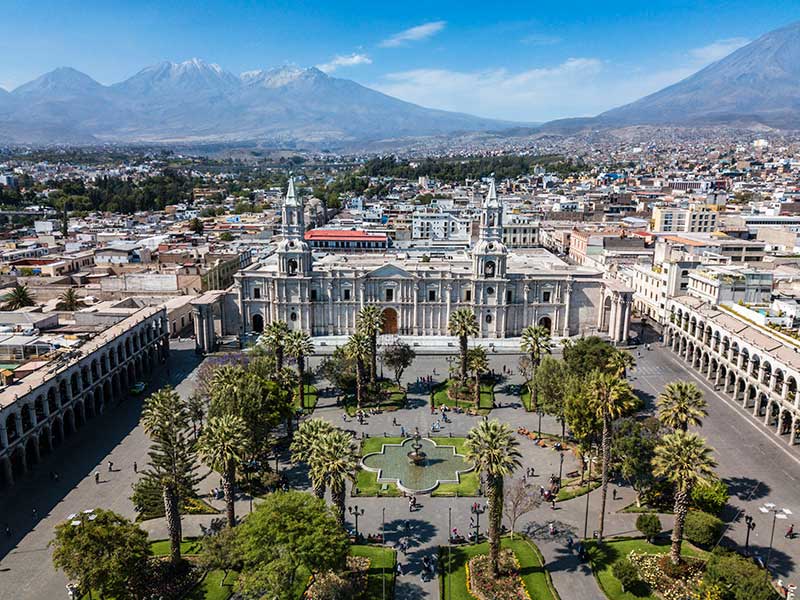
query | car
[138, 388]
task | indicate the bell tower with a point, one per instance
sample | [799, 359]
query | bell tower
[490, 254]
[294, 255]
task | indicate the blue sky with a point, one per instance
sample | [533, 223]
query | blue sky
[526, 61]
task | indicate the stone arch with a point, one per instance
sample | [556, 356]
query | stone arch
[85, 381]
[52, 403]
[11, 428]
[547, 323]
[765, 378]
[605, 318]
[94, 370]
[38, 409]
[27, 418]
[777, 387]
[75, 384]
[44, 441]
[258, 323]
[62, 392]
[390, 324]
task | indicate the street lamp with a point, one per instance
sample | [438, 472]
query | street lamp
[560, 466]
[477, 510]
[383, 543]
[77, 520]
[777, 513]
[356, 512]
[750, 524]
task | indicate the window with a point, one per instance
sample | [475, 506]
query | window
[389, 294]
[431, 295]
[488, 318]
[256, 292]
[293, 316]
[347, 293]
[467, 295]
[509, 296]
[546, 296]
[313, 295]
[490, 291]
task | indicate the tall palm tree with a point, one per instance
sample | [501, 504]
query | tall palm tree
[681, 404]
[478, 364]
[535, 342]
[69, 300]
[299, 346]
[463, 324]
[334, 462]
[274, 337]
[620, 362]
[370, 322]
[18, 297]
[684, 460]
[306, 443]
[223, 446]
[492, 447]
[610, 397]
[165, 419]
[357, 350]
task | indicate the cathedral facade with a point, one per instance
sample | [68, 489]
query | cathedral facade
[322, 292]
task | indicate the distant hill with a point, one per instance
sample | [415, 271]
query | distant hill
[194, 101]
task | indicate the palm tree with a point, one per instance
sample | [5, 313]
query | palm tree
[681, 404]
[334, 461]
[370, 322]
[478, 364]
[620, 362]
[274, 337]
[492, 447]
[299, 346]
[684, 460]
[222, 446]
[165, 419]
[357, 349]
[535, 342]
[18, 297]
[463, 325]
[306, 443]
[69, 301]
[610, 397]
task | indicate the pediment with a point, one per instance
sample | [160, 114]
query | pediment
[389, 271]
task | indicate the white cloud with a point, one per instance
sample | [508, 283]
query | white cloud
[349, 60]
[420, 32]
[540, 39]
[717, 50]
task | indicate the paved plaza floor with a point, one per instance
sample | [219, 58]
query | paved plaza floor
[758, 466]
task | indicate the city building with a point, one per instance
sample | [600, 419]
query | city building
[694, 219]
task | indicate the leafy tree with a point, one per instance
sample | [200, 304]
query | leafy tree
[492, 447]
[226, 236]
[332, 463]
[519, 500]
[702, 529]
[536, 343]
[197, 406]
[305, 445]
[369, 321]
[18, 297]
[299, 346]
[69, 301]
[736, 577]
[552, 384]
[610, 397]
[398, 356]
[196, 226]
[103, 553]
[223, 446]
[587, 354]
[358, 350]
[477, 364]
[710, 498]
[680, 405]
[288, 531]
[582, 419]
[626, 573]
[274, 337]
[684, 460]
[221, 551]
[463, 324]
[340, 369]
[172, 457]
[633, 448]
[649, 525]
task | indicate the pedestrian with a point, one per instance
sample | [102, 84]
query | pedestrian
[394, 421]
[614, 494]
[541, 491]
[399, 568]
[552, 529]
[402, 431]
[569, 543]
[135, 467]
[110, 466]
[411, 504]
[97, 476]
[553, 503]
[790, 532]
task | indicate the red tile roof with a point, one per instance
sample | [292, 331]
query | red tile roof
[344, 235]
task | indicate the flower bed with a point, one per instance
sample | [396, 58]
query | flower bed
[671, 582]
[484, 585]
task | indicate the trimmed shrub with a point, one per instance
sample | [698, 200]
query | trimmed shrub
[702, 529]
[649, 525]
[710, 498]
[626, 573]
[739, 578]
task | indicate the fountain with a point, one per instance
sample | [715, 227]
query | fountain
[417, 456]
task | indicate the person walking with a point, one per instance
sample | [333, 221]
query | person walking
[135, 467]
[790, 532]
[97, 477]
[399, 568]
[110, 466]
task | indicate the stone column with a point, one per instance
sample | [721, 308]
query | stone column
[18, 421]
[415, 298]
[626, 322]
[567, 303]
[329, 329]
[449, 291]
[525, 301]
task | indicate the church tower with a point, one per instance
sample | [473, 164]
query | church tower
[490, 254]
[294, 255]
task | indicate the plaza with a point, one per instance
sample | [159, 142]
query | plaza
[756, 466]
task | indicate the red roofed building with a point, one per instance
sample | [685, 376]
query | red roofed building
[346, 239]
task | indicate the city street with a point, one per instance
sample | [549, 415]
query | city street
[758, 467]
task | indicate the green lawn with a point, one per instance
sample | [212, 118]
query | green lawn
[367, 481]
[311, 395]
[602, 557]
[396, 400]
[381, 569]
[216, 585]
[439, 397]
[189, 546]
[535, 576]
[573, 489]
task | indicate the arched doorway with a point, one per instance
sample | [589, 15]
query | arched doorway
[258, 323]
[547, 323]
[389, 321]
[606, 314]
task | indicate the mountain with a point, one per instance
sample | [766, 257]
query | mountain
[195, 101]
[757, 84]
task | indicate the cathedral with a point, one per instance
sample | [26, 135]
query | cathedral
[322, 292]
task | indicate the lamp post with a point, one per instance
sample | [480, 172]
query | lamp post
[356, 512]
[560, 466]
[777, 513]
[383, 543]
[77, 520]
[477, 510]
[750, 524]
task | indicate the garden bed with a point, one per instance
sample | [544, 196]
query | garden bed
[396, 399]
[440, 396]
